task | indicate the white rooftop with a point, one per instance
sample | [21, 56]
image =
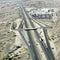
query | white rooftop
[43, 11]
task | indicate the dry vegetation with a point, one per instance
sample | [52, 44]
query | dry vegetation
[8, 10]
[6, 38]
[41, 4]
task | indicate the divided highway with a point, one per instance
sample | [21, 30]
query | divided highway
[33, 37]
[47, 50]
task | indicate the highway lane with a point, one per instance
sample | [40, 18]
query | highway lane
[48, 48]
[23, 38]
[39, 38]
[47, 51]
[34, 54]
[29, 48]
[21, 26]
[42, 27]
[29, 33]
[48, 44]
[36, 36]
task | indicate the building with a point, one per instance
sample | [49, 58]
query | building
[43, 13]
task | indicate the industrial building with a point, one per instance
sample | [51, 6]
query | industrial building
[43, 13]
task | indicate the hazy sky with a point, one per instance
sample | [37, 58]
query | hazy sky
[41, 0]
